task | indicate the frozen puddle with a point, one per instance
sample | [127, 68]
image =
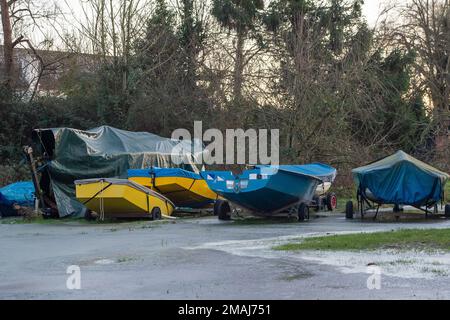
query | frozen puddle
[403, 264]
[104, 261]
[397, 263]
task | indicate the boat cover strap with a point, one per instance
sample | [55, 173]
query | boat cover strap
[126, 182]
[103, 189]
[163, 172]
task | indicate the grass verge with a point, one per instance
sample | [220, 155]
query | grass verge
[429, 239]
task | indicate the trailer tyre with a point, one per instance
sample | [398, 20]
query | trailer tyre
[331, 201]
[303, 212]
[318, 203]
[88, 215]
[222, 210]
[447, 211]
[349, 210]
[156, 213]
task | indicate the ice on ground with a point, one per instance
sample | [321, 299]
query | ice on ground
[403, 264]
[104, 261]
[392, 262]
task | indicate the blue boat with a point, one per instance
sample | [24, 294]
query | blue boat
[266, 190]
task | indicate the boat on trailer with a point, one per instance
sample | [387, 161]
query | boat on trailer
[266, 190]
[398, 180]
[121, 198]
[323, 199]
[186, 189]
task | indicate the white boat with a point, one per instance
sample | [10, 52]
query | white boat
[323, 188]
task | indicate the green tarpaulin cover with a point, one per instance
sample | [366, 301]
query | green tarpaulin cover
[103, 152]
[401, 179]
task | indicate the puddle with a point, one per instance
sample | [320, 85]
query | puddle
[397, 263]
[402, 264]
[104, 261]
[297, 276]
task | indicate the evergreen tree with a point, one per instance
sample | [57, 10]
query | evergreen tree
[242, 17]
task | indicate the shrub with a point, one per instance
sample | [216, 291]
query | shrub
[13, 173]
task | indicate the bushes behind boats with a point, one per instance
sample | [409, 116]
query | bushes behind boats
[13, 173]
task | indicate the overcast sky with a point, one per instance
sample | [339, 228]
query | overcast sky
[371, 10]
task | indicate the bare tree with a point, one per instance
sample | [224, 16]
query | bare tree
[426, 31]
[20, 19]
[108, 28]
[8, 43]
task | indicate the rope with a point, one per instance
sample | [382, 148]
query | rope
[39, 169]
[102, 203]
[97, 193]
[42, 142]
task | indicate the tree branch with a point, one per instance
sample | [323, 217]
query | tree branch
[17, 41]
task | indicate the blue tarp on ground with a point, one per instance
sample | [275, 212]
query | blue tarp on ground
[401, 179]
[21, 193]
[163, 172]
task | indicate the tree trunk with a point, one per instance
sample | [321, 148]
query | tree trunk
[190, 42]
[103, 30]
[7, 45]
[239, 66]
[113, 31]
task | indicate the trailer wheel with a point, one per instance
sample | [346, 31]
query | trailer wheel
[222, 210]
[349, 210]
[156, 213]
[88, 215]
[318, 203]
[447, 211]
[303, 212]
[331, 201]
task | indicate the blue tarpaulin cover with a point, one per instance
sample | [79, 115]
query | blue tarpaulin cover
[322, 171]
[21, 193]
[163, 172]
[401, 179]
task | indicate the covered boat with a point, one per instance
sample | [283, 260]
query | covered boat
[266, 190]
[399, 179]
[18, 193]
[122, 198]
[185, 188]
[70, 154]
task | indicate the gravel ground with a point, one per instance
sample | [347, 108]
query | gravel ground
[203, 258]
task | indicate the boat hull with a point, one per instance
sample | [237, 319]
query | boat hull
[184, 192]
[120, 198]
[323, 188]
[263, 194]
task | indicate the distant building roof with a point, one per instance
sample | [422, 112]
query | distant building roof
[55, 64]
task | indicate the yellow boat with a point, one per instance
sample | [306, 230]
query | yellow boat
[122, 198]
[184, 188]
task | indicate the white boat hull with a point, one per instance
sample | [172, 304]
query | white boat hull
[323, 188]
